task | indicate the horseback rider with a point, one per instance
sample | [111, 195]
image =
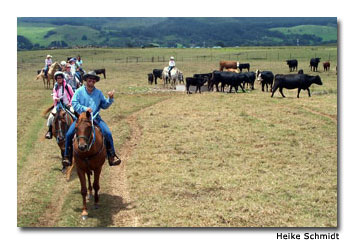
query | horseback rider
[61, 92]
[70, 78]
[89, 98]
[79, 63]
[62, 66]
[171, 65]
[48, 62]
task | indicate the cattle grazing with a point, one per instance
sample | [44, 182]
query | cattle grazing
[314, 64]
[150, 78]
[101, 71]
[326, 66]
[207, 76]
[251, 78]
[292, 64]
[157, 74]
[299, 81]
[243, 66]
[229, 78]
[227, 65]
[195, 81]
[265, 78]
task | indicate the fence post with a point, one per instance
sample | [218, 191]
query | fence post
[152, 60]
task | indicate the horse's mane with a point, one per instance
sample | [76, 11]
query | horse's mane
[46, 112]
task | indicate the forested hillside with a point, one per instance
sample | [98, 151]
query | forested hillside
[37, 33]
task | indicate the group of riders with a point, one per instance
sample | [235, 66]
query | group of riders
[72, 69]
[69, 95]
[73, 95]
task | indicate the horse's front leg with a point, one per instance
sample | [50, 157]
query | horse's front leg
[96, 185]
[82, 178]
[89, 196]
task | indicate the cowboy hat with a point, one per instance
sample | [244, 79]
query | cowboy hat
[71, 60]
[62, 63]
[172, 58]
[57, 74]
[91, 74]
[49, 56]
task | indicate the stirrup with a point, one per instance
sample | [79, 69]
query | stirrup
[114, 162]
[66, 162]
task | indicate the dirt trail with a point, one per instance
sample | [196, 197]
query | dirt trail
[124, 211]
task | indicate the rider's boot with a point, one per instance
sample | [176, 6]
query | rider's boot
[67, 159]
[49, 134]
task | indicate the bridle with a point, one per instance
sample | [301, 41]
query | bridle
[92, 136]
[59, 132]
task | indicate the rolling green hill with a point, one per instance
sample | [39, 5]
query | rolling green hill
[327, 33]
[36, 33]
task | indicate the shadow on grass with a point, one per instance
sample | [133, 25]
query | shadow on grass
[108, 206]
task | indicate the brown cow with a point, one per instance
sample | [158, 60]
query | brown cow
[326, 66]
[233, 70]
[228, 64]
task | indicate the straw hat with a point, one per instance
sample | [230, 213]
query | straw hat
[91, 74]
[62, 63]
[49, 56]
[172, 58]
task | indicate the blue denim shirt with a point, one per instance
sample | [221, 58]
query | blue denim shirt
[95, 100]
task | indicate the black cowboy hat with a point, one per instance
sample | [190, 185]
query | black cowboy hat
[91, 74]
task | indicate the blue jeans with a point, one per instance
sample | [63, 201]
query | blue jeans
[106, 133]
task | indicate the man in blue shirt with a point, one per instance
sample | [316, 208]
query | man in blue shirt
[89, 98]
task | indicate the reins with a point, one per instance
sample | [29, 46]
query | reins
[92, 133]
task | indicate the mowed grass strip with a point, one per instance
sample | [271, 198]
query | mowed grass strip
[234, 161]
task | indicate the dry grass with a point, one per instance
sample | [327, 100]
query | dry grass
[201, 160]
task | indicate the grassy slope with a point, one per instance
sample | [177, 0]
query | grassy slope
[327, 33]
[257, 160]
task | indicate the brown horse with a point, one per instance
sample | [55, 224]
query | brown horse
[89, 155]
[41, 75]
[52, 69]
[228, 65]
[61, 123]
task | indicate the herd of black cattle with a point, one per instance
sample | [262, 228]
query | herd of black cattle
[266, 78]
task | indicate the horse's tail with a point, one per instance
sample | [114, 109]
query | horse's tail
[45, 112]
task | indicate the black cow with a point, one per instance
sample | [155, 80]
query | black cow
[229, 78]
[244, 66]
[195, 81]
[101, 71]
[314, 63]
[157, 74]
[150, 78]
[265, 78]
[292, 64]
[251, 78]
[299, 81]
[204, 75]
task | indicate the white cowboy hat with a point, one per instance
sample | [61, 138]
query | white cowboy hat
[62, 63]
[57, 74]
[49, 56]
[172, 58]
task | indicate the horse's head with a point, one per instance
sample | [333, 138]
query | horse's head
[84, 131]
[62, 121]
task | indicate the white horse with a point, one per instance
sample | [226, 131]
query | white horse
[176, 75]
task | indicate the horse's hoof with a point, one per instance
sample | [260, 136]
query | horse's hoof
[84, 217]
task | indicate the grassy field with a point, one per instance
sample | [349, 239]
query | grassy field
[200, 160]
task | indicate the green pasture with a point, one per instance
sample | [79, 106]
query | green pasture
[327, 33]
[202, 160]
